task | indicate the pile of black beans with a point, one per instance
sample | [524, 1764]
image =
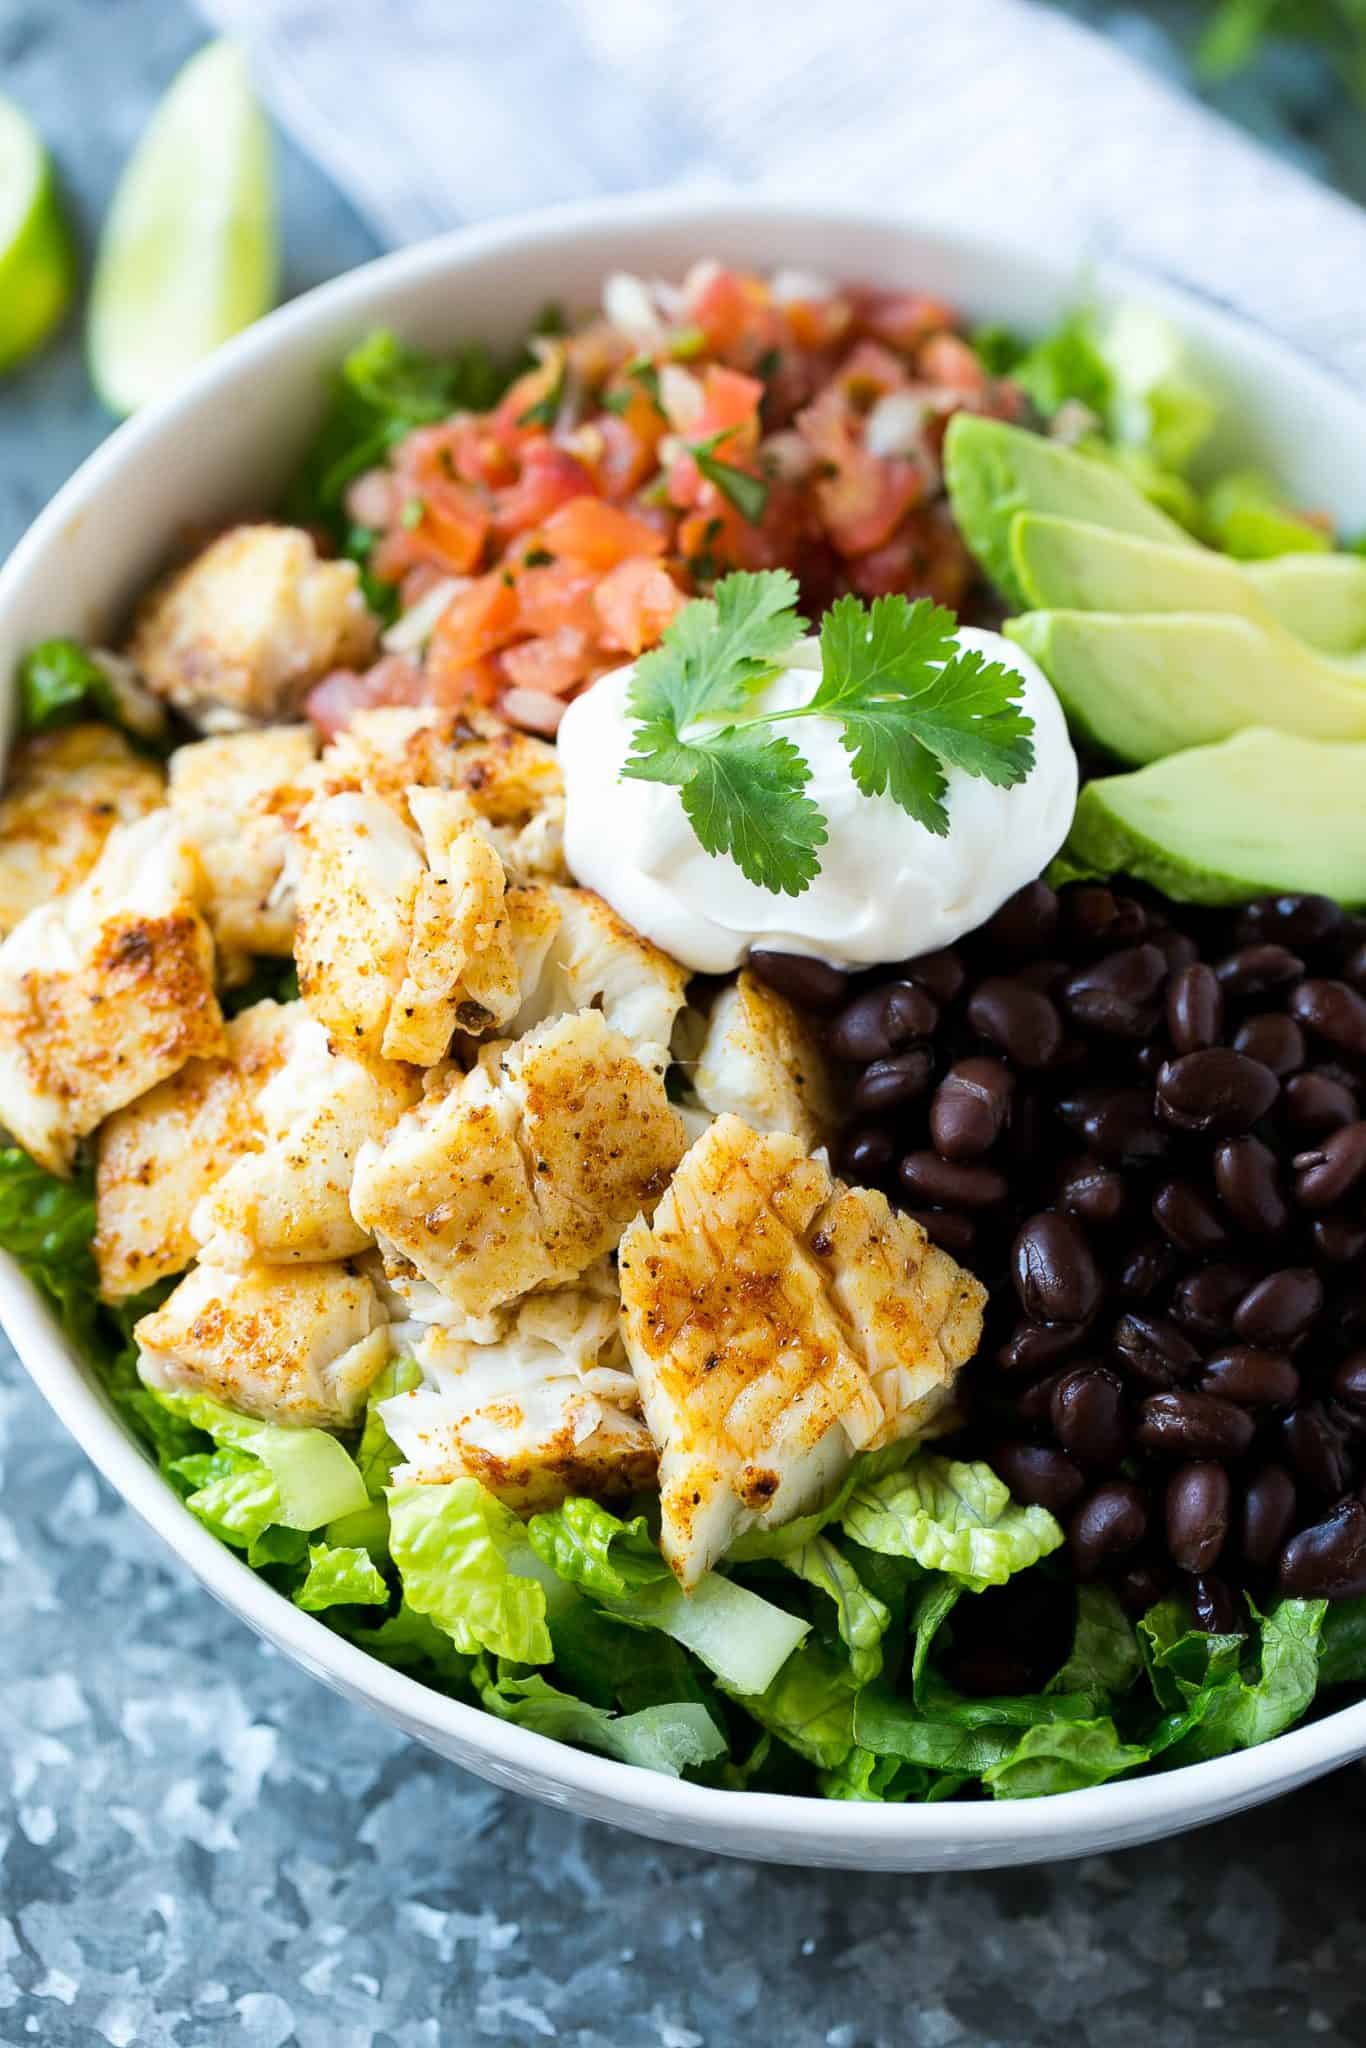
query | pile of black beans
[1144, 1127]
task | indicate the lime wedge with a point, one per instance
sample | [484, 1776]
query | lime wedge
[188, 255]
[37, 254]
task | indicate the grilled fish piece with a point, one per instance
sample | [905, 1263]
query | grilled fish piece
[759, 1059]
[240, 796]
[291, 1344]
[595, 961]
[64, 794]
[107, 991]
[163, 1153]
[778, 1322]
[238, 636]
[521, 1173]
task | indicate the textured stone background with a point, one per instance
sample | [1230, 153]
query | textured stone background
[199, 1845]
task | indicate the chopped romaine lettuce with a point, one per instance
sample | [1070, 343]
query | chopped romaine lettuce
[861, 1618]
[341, 1575]
[451, 1545]
[59, 682]
[671, 1737]
[951, 1517]
[314, 1476]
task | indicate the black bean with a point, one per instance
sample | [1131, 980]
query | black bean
[1280, 1307]
[1246, 1173]
[1218, 1090]
[1087, 1413]
[1251, 1376]
[1327, 1561]
[1205, 1301]
[1338, 1240]
[886, 1084]
[1140, 1586]
[1186, 1219]
[1110, 1524]
[1315, 1102]
[1117, 995]
[1212, 1607]
[1275, 1040]
[970, 1107]
[1022, 1022]
[1347, 1314]
[1147, 1270]
[1176, 948]
[1025, 922]
[1056, 1277]
[1191, 1425]
[1199, 1499]
[1328, 1174]
[867, 1157]
[1316, 1449]
[1090, 1191]
[1044, 976]
[1101, 919]
[1349, 1381]
[1031, 1345]
[1332, 1010]
[811, 984]
[946, 1184]
[1115, 1123]
[882, 1021]
[954, 1234]
[1039, 1475]
[1268, 1511]
[1195, 1009]
[1254, 970]
[1289, 920]
[1155, 1349]
[1032, 1404]
[941, 974]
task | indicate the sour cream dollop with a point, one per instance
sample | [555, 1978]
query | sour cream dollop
[887, 889]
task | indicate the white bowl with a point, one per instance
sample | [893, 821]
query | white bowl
[222, 445]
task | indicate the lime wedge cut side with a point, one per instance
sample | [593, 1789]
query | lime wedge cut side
[188, 256]
[37, 252]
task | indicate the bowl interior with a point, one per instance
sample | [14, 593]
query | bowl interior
[222, 447]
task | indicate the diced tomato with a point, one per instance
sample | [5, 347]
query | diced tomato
[924, 558]
[628, 443]
[865, 501]
[599, 535]
[724, 308]
[730, 407]
[476, 623]
[477, 682]
[948, 359]
[549, 477]
[529, 391]
[555, 594]
[532, 710]
[634, 603]
[553, 663]
[334, 702]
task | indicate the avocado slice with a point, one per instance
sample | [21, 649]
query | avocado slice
[1142, 685]
[994, 471]
[1070, 564]
[1264, 811]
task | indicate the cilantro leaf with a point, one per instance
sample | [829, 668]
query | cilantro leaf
[717, 650]
[745, 797]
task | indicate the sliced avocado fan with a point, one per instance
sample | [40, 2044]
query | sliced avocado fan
[1072, 565]
[1263, 812]
[1144, 685]
[999, 476]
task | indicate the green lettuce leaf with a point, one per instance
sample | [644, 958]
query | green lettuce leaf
[377, 1454]
[891, 1725]
[1342, 1645]
[315, 1477]
[670, 1738]
[453, 1546]
[809, 1705]
[1244, 1711]
[1063, 1756]
[861, 1618]
[48, 1225]
[953, 1517]
[59, 682]
[341, 1576]
[410, 1642]
[1106, 1659]
[739, 1636]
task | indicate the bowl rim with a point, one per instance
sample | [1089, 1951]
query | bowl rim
[1142, 1806]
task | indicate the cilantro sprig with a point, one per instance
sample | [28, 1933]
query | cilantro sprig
[909, 702]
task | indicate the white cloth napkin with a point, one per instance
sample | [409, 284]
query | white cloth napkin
[996, 113]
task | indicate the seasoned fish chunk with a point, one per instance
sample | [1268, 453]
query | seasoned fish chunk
[239, 635]
[513, 781]
[403, 938]
[521, 1173]
[547, 1409]
[161, 1155]
[777, 1322]
[240, 796]
[65, 793]
[595, 961]
[288, 1201]
[106, 992]
[291, 1344]
[760, 1060]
